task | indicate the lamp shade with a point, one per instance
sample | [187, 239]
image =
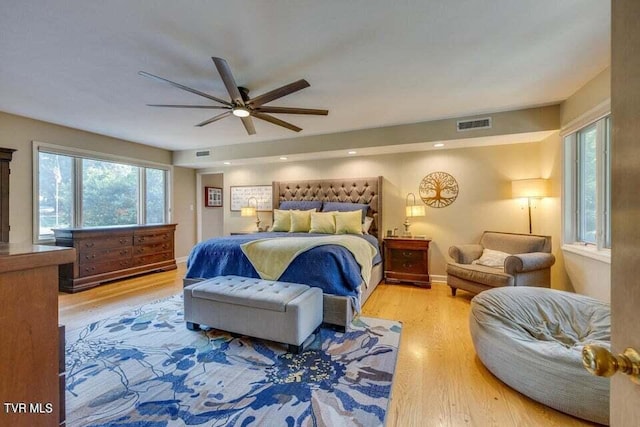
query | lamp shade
[530, 188]
[248, 211]
[415, 210]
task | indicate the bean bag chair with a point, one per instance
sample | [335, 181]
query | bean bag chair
[532, 340]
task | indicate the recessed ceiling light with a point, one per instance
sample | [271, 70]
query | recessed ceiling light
[283, 158]
[227, 163]
[438, 145]
[351, 152]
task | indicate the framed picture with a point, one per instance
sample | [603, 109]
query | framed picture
[240, 195]
[212, 197]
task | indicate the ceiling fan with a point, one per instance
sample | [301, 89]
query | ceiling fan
[240, 104]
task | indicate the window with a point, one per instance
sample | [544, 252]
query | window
[55, 198]
[588, 184]
[83, 190]
[155, 182]
[109, 193]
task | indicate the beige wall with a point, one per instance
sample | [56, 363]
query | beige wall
[212, 218]
[586, 275]
[484, 176]
[504, 123]
[551, 212]
[593, 93]
[19, 132]
[184, 209]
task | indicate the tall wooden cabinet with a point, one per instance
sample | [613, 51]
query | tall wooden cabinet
[109, 253]
[5, 157]
[31, 389]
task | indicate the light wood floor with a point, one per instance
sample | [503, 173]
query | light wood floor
[439, 381]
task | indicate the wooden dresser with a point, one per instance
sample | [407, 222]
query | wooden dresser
[109, 253]
[31, 389]
[406, 259]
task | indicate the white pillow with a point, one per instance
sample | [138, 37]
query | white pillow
[366, 225]
[491, 258]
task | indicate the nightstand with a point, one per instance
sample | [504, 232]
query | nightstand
[406, 259]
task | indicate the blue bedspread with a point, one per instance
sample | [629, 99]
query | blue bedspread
[329, 267]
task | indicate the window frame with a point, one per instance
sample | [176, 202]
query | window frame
[79, 154]
[572, 193]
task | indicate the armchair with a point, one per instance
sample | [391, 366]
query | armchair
[528, 263]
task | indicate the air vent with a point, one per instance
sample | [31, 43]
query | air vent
[203, 153]
[474, 124]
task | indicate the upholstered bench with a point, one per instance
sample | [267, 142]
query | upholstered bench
[275, 311]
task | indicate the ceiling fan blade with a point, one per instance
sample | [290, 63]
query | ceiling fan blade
[214, 107]
[292, 110]
[278, 93]
[215, 118]
[229, 81]
[248, 125]
[275, 121]
[188, 89]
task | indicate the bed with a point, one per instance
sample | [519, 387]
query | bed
[330, 267]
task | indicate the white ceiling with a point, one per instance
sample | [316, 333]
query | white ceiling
[371, 63]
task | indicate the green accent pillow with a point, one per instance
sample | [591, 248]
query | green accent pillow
[323, 222]
[301, 221]
[349, 222]
[281, 220]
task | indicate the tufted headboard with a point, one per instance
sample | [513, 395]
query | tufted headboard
[350, 190]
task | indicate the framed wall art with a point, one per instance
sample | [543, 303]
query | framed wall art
[439, 189]
[240, 195]
[212, 197]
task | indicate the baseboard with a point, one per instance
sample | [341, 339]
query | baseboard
[437, 278]
[181, 260]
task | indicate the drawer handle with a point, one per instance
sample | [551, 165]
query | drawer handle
[408, 254]
[123, 241]
[89, 244]
[407, 265]
[89, 257]
[139, 251]
[89, 269]
[123, 252]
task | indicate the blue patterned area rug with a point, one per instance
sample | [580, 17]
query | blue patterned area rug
[145, 369]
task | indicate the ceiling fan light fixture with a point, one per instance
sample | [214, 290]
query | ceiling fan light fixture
[240, 112]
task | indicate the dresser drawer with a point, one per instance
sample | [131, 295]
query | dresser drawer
[104, 242]
[143, 238]
[408, 262]
[104, 267]
[102, 255]
[154, 248]
[150, 259]
[402, 255]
